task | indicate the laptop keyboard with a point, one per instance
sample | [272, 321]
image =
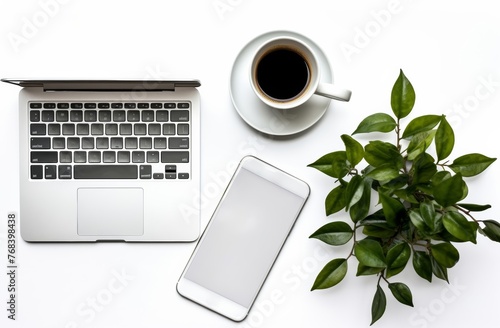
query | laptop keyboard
[109, 140]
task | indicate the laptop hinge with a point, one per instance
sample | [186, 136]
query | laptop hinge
[125, 86]
[105, 85]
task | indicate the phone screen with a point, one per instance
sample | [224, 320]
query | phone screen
[244, 237]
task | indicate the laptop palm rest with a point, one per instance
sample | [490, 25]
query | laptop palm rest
[110, 211]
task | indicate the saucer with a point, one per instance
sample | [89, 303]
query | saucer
[266, 119]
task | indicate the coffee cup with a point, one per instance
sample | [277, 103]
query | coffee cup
[285, 74]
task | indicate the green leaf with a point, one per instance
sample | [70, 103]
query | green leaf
[422, 265]
[392, 208]
[402, 96]
[354, 150]
[444, 140]
[492, 230]
[360, 209]
[379, 153]
[429, 216]
[423, 168]
[474, 207]
[450, 191]
[419, 223]
[397, 258]
[445, 254]
[336, 200]
[439, 271]
[378, 232]
[334, 233]
[332, 164]
[378, 305]
[383, 173]
[354, 190]
[333, 273]
[421, 124]
[364, 270]
[370, 253]
[402, 293]
[471, 164]
[458, 226]
[379, 122]
[419, 143]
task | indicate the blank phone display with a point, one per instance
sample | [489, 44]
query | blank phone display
[244, 237]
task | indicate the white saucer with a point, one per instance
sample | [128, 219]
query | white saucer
[272, 121]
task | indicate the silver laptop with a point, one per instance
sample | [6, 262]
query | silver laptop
[109, 160]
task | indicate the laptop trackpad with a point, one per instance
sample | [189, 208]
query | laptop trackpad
[110, 211]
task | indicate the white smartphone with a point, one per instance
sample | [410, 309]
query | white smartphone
[243, 238]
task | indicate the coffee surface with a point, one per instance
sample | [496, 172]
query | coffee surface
[282, 74]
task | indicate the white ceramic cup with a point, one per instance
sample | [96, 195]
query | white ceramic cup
[313, 84]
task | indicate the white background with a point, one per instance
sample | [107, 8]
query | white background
[448, 49]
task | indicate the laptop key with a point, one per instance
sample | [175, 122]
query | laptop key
[49, 105]
[156, 105]
[145, 172]
[183, 105]
[105, 171]
[148, 115]
[162, 116]
[76, 116]
[58, 143]
[123, 157]
[116, 143]
[63, 105]
[90, 115]
[179, 116]
[130, 105]
[175, 157]
[82, 129]
[62, 116]
[112, 129]
[65, 172]
[154, 129]
[102, 143]
[104, 115]
[153, 156]
[87, 143]
[126, 129]
[50, 171]
[76, 105]
[143, 105]
[35, 105]
[116, 105]
[80, 156]
[178, 143]
[108, 157]
[119, 115]
[90, 105]
[94, 157]
[54, 129]
[65, 157]
[35, 116]
[68, 129]
[183, 129]
[36, 171]
[40, 143]
[44, 157]
[48, 116]
[138, 157]
[103, 105]
[73, 143]
[133, 115]
[38, 129]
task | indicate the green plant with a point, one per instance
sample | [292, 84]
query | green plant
[419, 213]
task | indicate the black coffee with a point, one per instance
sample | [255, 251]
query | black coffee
[282, 74]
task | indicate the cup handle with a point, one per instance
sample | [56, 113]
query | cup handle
[333, 92]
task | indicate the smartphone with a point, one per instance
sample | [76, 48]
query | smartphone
[243, 238]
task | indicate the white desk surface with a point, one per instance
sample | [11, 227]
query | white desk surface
[448, 49]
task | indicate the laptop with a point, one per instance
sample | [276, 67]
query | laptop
[109, 160]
